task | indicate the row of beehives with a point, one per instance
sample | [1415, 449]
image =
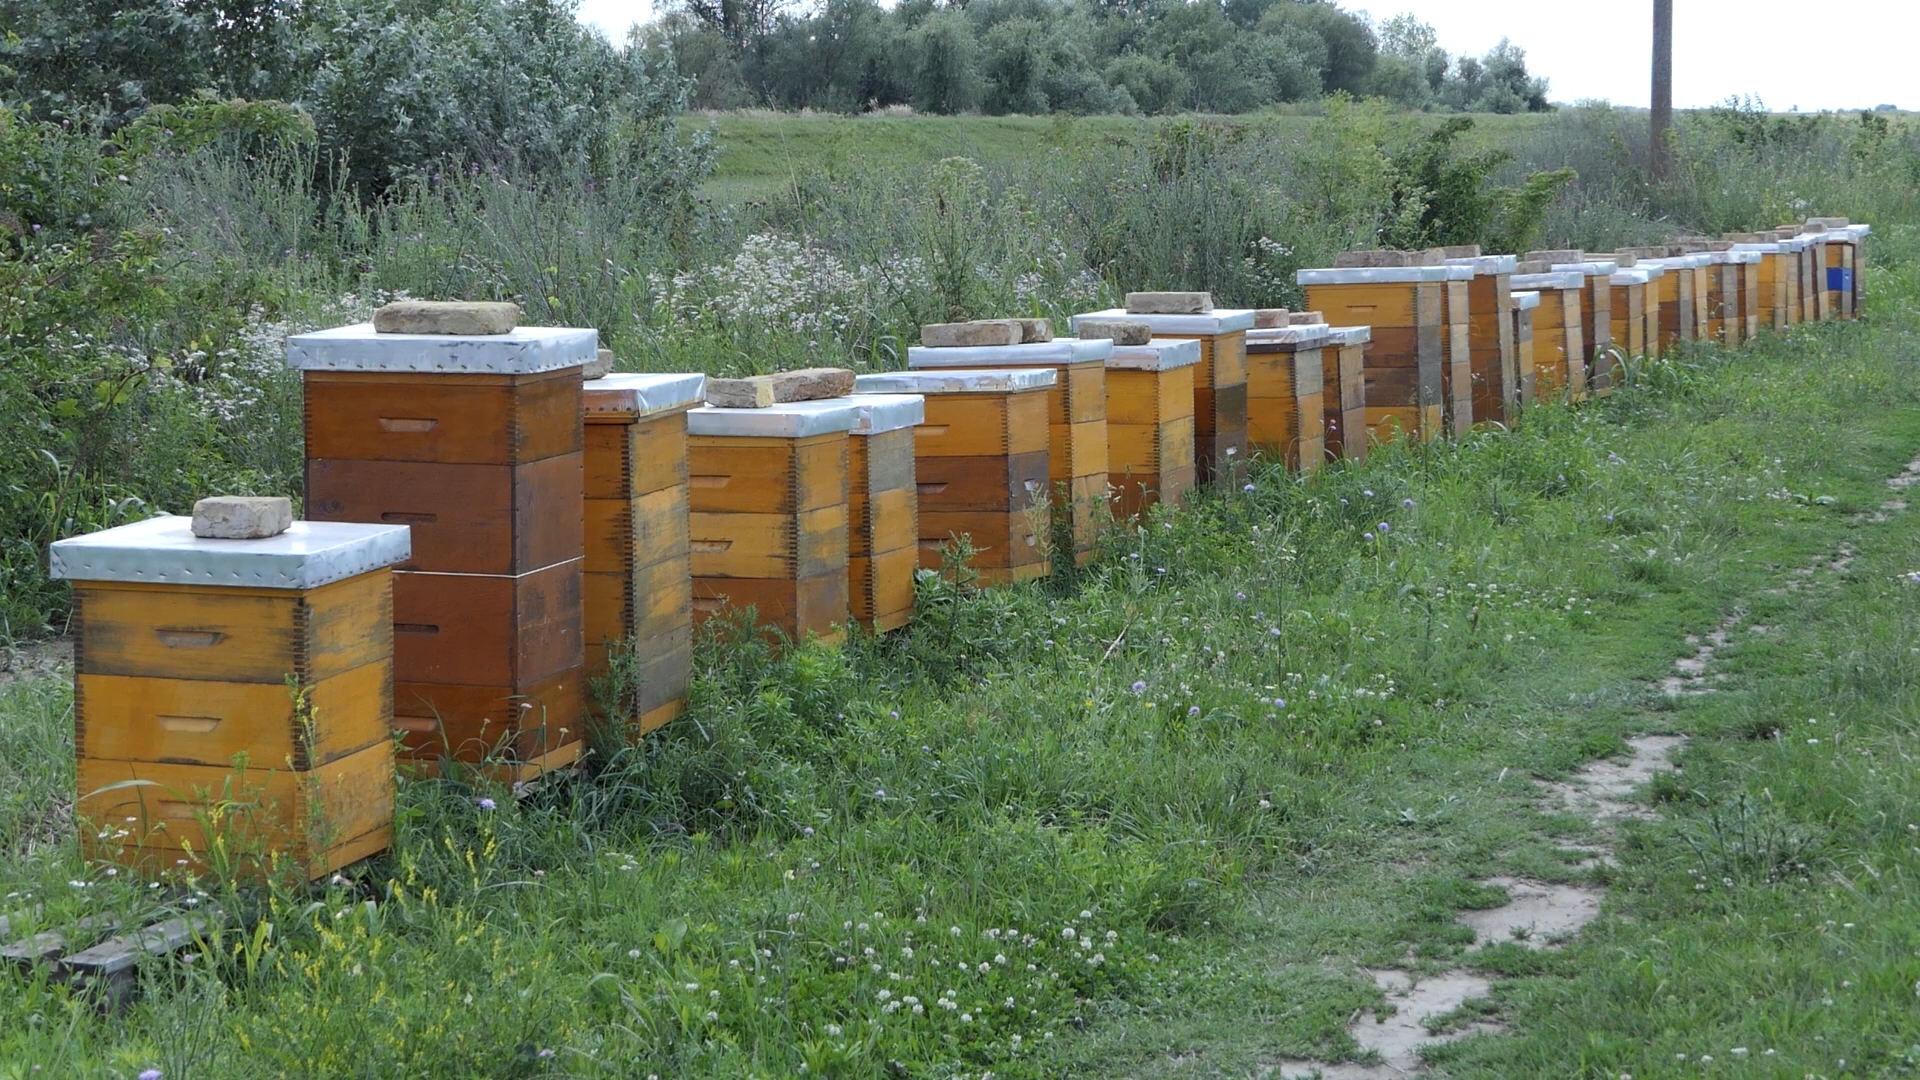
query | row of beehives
[544, 531]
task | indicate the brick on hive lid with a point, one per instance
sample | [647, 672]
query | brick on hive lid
[1829, 222]
[1269, 318]
[1624, 260]
[1557, 256]
[1459, 251]
[811, 384]
[1119, 331]
[1370, 260]
[1788, 231]
[1305, 318]
[973, 334]
[601, 366]
[241, 517]
[1719, 245]
[1533, 266]
[456, 318]
[1033, 331]
[754, 392]
[1169, 303]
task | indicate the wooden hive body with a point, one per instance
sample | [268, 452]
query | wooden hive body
[1219, 382]
[637, 598]
[883, 511]
[1751, 300]
[1838, 275]
[1814, 279]
[1286, 394]
[478, 445]
[1344, 392]
[1629, 309]
[1522, 316]
[232, 725]
[1650, 323]
[1676, 304]
[1456, 353]
[1596, 315]
[1406, 308]
[1494, 372]
[980, 466]
[1150, 424]
[1559, 336]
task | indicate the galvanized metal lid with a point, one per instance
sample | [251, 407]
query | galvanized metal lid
[1308, 334]
[164, 551]
[1526, 301]
[791, 420]
[1163, 355]
[881, 413]
[524, 350]
[1057, 351]
[1208, 324]
[1760, 249]
[1373, 275]
[1592, 268]
[1356, 335]
[1635, 276]
[1487, 264]
[950, 381]
[1561, 279]
[641, 396]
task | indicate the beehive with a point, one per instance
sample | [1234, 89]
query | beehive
[1859, 233]
[238, 691]
[1559, 341]
[1725, 323]
[1405, 306]
[637, 591]
[1841, 269]
[980, 464]
[1077, 451]
[1676, 290]
[768, 490]
[1344, 390]
[1701, 264]
[883, 519]
[1495, 373]
[1629, 311]
[1596, 321]
[1750, 298]
[1793, 254]
[1525, 303]
[476, 443]
[1219, 382]
[1766, 290]
[1456, 349]
[1150, 401]
[1816, 277]
[1285, 394]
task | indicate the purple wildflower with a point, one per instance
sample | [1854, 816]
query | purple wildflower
[1279, 703]
[1382, 526]
[145, 1074]
[1406, 504]
[1193, 710]
[484, 804]
[1140, 686]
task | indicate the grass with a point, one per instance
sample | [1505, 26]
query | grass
[1149, 822]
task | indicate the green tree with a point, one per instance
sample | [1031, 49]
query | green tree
[946, 64]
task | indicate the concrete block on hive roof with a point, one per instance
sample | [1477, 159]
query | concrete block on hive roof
[755, 392]
[601, 365]
[1033, 331]
[811, 384]
[1557, 255]
[1532, 266]
[1829, 222]
[1624, 260]
[459, 318]
[1169, 303]
[1384, 259]
[241, 517]
[1118, 331]
[967, 334]
[1459, 251]
[1265, 318]
[1305, 318]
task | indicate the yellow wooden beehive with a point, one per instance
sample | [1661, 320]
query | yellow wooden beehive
[1559, 339]
[1525, 303]
[1495, 373]
[638, 584]
[1456, 349]
[1344, 391]
[1629, 310]
[883, 503]
[1219, 381]
[1596, 320]
[1150, 455]
[233, 699]
[980, 465]
[1286, 405]
[1405, 308]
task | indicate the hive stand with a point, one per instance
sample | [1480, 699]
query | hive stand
[233, 694]
[980, 463]
[1344, 390]
[1405, 306]
[1286, 409]
[769, 527]
[1559, 343]
[1629, 310]
[1219, 383]
[883, 519]
[1077, 449]
[1150, 456]
[1596, 321]
[638, 576]
[1495, 375]
[476, 443]
[1524, 305]
[1456, 349]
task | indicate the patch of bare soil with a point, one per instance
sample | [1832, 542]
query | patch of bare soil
[34, 660]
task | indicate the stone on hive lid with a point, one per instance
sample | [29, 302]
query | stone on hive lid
[1372, 260]
[446, 317]
[1532, 266]
[1829, 222]
[1558, 255]
[965, 334]
[241, 517]
[1118, 331]
[1459, 251]
[601, 365]
[1305, 318]
[811, 384]
[1035, 330]
[1169, 303]
[753, 392]
[1268, 318]
[1625, 261]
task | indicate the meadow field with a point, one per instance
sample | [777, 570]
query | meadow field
[1162, 816]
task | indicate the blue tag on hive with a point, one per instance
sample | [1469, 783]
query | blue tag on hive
[1839, 279]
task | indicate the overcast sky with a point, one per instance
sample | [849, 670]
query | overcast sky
[1837, 54]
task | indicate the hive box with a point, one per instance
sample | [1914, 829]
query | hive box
[1150, 401]
[1456, 348]
[1286, 408]
[1629, 310]
[1842, 269]
[1219, 383]
[1524, 305]
[980, 464]
[1559, 342]
[1495, 374]
[1596, 321]
[1765, 300]
[1344, 391]
[233, 695]
[883, 519]
[637, 591]
[476, 443]
[1076, 424]
[1405, 307]
[768, 490]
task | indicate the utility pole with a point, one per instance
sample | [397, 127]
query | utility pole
[1662, 86]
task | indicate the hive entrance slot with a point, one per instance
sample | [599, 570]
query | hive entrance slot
[415, 628]
[402, 517]
[407, 425]
[196, 725]
[710, 547]
[189, 639]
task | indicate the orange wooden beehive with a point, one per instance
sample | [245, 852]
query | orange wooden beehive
[1456, 349]
[1750, 298]
[1525, 303]
[476, 443]
[1769, 277]
[1219, 382]
[1596, 322]
[769, 530]
[1077, 448]
[1150, 455]
[1286, 403]
[637, 593]
[1841, 269]
[1494, 373]
[1559, 340]
[883, 510]
[1817, 296]
[1629, 310]
[1675, 287]
[233, 695]
[1405, 307]
[1344, 390]
[980, 465]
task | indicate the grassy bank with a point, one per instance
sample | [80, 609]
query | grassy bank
[1151, 821]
